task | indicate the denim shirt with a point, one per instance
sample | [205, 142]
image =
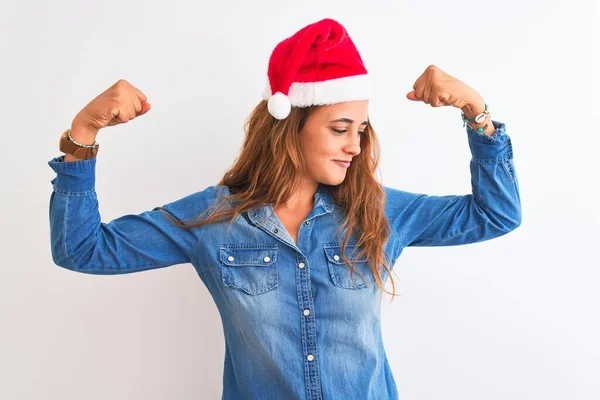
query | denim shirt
[296, 325]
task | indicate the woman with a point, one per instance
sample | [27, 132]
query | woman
[296, 241]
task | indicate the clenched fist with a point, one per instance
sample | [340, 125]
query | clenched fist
[437, 88]
[118, 104]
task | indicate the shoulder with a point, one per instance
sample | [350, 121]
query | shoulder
[396, 199]
[194, 204]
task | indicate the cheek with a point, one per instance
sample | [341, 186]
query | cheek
[319, 155]
[316, 146]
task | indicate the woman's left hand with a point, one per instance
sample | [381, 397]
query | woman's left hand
[437, 88]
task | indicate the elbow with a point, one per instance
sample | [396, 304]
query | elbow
[64, 260]
[72, 266]
[59, 257]
[61, 261]
[70, 255]
[517, 221]
[510, 221]
[505, 220]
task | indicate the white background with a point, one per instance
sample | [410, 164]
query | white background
[511, 318]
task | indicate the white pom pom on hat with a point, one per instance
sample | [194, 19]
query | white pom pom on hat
[279, 105]
[322, 49]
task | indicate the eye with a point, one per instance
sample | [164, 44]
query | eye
[345, 130]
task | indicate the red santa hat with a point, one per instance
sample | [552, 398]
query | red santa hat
[318, 65]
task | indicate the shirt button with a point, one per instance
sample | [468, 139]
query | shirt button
[336, 257]
[307, 223]
[307, 312]
[301, 265]
[266, 259]
[230, 258]
[275, 230]
[310, 357]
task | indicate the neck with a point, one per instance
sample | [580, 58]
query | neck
[301, 200]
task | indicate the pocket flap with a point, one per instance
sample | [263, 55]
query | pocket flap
[334, 254]
[240, 255]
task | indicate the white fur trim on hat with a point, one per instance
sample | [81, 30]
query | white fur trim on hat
[349, 88]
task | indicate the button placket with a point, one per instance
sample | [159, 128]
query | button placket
[305, 299]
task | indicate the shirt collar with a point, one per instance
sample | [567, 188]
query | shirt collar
[323, 203]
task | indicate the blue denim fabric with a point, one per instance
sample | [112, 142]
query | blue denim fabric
[295, 325]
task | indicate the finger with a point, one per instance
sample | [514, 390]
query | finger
[444, 98]
[427, 89]
[137, 107]
[121, 115]
[145, 108]
[437, 98]
[427, 95]
[114, 121]
[455, 101]
[433, 98]
[131, 109]
[139, 94]
[418, 81]
[418, 87]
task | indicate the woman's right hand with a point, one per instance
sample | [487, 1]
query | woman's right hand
[119, 104]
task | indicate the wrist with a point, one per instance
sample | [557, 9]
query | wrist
[473, 107]
[83, 133]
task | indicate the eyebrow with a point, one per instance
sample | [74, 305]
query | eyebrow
[348, 120]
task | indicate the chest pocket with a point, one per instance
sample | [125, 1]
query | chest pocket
[340, 272]
[249, 268]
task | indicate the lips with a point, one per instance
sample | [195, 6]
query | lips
[344, 164]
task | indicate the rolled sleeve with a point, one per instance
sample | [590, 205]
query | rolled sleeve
[494, 148]
[74, 177]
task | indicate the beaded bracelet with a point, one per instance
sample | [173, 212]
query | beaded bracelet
[81, 144]
[479, 118]
[480, 129]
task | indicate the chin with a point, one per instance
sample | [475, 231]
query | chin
[334, 181]
[331, 178]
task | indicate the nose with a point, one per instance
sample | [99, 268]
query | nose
[353, 145]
